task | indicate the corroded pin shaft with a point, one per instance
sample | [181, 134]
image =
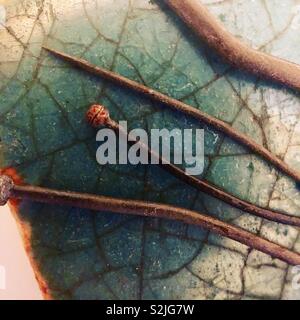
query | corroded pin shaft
[164, 100]
[145, 209]
[231, 49]
[98, 115]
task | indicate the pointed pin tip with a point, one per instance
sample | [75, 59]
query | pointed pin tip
[51, 50]
[58, 53]
[46, 48]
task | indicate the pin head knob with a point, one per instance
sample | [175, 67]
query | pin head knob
[97, 115]
[6, 186]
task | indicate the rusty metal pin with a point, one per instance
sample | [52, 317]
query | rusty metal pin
[97, 115]
[144, 209]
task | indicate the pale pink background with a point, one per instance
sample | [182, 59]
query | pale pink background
[20, 281]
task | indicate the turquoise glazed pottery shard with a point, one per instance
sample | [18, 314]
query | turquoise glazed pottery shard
[45, 140]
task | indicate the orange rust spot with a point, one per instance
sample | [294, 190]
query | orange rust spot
[13, 173]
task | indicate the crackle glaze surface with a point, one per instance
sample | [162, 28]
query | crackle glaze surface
[79, 254]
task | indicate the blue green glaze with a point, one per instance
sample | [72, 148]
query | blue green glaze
[97, 255]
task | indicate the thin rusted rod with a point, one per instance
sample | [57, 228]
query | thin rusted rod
[145, 209]
[232, 50]
[98, 115]
[181, 107]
